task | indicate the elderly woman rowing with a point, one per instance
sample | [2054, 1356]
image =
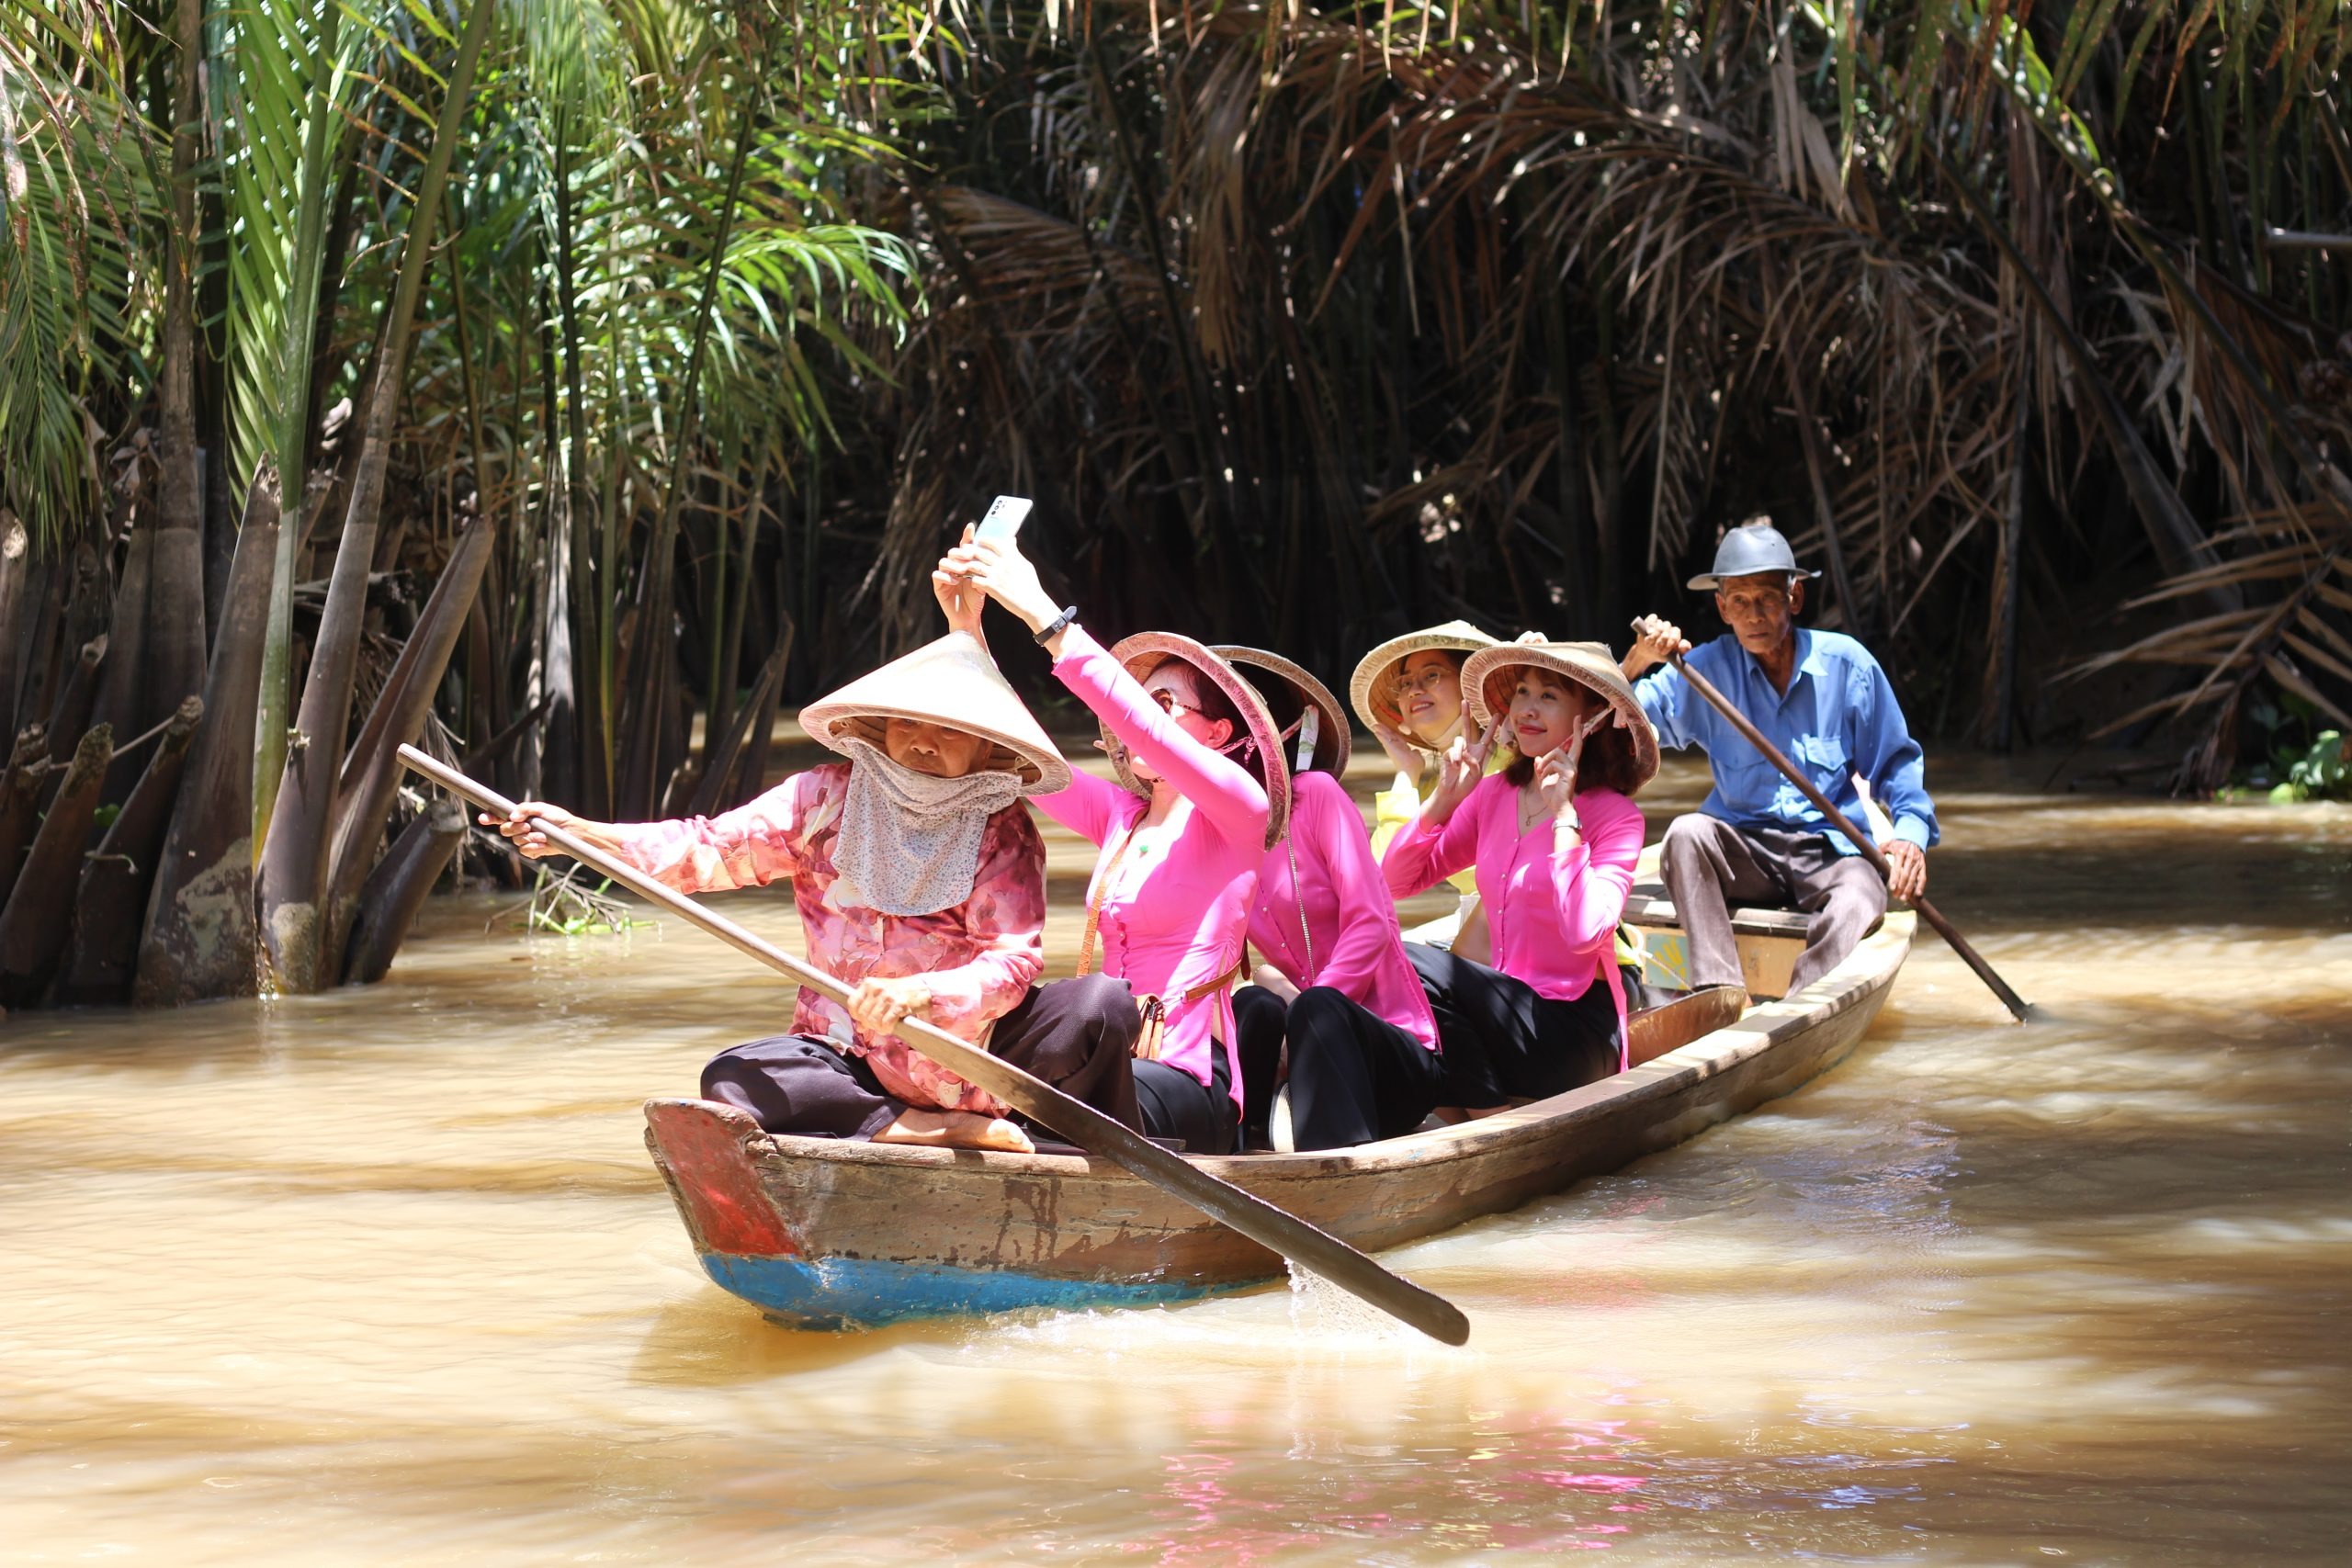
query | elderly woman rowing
[921, 882]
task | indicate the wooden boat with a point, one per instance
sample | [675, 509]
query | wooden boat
[824, 1234]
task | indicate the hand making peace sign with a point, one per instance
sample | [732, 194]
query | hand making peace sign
[1555, 770]
[1459, 771]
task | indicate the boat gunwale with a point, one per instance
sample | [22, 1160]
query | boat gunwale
[1870, 968]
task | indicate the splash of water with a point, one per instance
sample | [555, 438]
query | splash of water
[1324, 1312]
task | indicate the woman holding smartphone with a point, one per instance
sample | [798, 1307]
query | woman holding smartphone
[1201, 798]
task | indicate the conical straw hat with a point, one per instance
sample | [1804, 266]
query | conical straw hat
[1332, 741]
[1141, 654]
[1589, 664]
[1372, 689]
[952, 682]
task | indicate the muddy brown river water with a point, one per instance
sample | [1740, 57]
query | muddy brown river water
[385, 1276]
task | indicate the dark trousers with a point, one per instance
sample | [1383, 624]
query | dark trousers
[1076, 1034]
[1504, 1040]
[1708, 865]
[1199, 1116]
[1355, 1077]
[1261, 1019]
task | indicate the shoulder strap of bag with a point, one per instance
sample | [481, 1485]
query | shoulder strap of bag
[1094, 903]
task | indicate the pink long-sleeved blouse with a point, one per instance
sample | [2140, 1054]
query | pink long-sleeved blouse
[978, 957]
[1335, 923]
[1175, 920]
[1553, 916]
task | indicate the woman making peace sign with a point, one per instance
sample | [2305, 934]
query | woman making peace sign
[1552, 838]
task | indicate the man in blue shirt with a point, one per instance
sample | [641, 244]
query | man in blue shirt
[1825, 702]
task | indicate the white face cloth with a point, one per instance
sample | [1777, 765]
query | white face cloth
[911, 842]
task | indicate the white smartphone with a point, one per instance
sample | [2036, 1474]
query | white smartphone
[1004, 518]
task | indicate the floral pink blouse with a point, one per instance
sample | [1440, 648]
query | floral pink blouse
[978, 957]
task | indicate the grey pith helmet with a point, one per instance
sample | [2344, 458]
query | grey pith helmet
[1749, 548]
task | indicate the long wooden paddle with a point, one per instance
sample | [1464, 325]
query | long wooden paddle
[1861, 840]
[1246, 1213]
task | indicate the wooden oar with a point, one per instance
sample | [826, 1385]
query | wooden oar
[1246, 1213]
[1862, 840]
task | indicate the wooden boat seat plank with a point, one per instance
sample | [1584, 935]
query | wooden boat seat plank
[1648, 905]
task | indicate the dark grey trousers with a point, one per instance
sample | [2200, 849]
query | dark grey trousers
[1709, 865]
[1076, 1034]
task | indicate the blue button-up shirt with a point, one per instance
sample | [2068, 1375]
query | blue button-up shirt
[1838, 718]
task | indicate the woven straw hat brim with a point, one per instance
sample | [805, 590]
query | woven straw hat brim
[1363, 686]
[952, 682]
[1333, 743]
[1141, 653]
[1588, 664]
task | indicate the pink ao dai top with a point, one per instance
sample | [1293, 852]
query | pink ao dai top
[1552, 914]
[1174, 919]
[978, 957]
[1334, 924]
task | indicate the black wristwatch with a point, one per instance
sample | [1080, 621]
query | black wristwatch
[1054, 627]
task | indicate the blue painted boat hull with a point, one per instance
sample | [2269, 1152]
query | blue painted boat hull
[863, 1293]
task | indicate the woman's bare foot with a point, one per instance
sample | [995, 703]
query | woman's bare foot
[956, 1130]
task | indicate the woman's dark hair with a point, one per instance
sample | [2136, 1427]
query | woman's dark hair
[1241, 743]
[1214, 704]
[1608, 760]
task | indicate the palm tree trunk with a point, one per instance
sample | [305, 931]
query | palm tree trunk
[198, 941]
[372, 773]
[643, 729]
[121, 694]
[20, 802]
[34, 923]
[724, 750]
[730, 661]
[103, 950]
[175, 622]
[396, 888]
[15, 563]
[270, 733]
[584, 747]
[75, 699]
[295, 852]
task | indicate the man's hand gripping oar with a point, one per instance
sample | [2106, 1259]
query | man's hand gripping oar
[1855, 836]
[1252, 1217]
